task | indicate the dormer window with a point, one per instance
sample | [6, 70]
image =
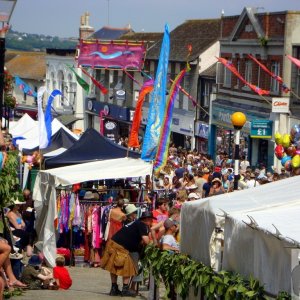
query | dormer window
[249, 28]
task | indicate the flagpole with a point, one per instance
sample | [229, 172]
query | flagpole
[265, 99]
[295, 94]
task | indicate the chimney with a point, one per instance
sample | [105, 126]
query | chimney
[85, 30]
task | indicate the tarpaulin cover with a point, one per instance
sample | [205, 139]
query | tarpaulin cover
[91, 146]
[112, 54]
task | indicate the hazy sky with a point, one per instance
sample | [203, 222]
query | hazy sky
[62, 17]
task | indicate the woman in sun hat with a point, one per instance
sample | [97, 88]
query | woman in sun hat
[18, 227]
[216, 188]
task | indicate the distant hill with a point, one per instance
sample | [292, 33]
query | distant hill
[37, 42]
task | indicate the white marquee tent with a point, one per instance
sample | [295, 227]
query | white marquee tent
[44, 192]
[32, 136]
[20, 127]
[259, 249]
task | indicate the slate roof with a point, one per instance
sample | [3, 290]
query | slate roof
[109, 33]
[142, 36]
[201, 34]
[27, 65]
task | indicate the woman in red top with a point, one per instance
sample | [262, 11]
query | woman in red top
[61, 274]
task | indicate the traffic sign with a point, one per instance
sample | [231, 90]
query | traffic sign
[261, 129]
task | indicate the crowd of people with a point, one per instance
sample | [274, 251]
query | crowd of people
[187, 176]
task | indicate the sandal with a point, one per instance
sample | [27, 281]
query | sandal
[17, 284]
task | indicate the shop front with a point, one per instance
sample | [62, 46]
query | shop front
[258, 148]
[111, 120]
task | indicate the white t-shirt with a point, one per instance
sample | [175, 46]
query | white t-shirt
[169, 240]
[244, 164]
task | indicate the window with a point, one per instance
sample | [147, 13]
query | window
[227, 77]
[238, 67]
[206, 94]
[275, 69]
[248, 71]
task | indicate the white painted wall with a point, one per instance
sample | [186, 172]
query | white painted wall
[208, 57]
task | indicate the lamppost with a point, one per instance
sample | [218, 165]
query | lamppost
[6, 10]
[238, 120]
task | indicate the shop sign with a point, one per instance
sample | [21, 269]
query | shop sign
[202, 130]
[261, 129]
[131, 112]
[111, 131]
[280, 105]
[120, 95]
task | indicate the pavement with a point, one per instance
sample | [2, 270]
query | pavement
[88, 284]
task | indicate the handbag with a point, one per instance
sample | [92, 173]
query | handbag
[106, 232]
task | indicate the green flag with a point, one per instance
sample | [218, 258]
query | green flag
[80, 80]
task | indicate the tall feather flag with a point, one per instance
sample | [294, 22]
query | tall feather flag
[43, 140]
[276, 77]
[23, 86]
[164, 139]
[158, 101]
[134, 134]
[102, 88]
[294, 60]
[48, 114]
[229, 65]
[80, 80]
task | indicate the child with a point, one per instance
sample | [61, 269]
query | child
[61, 274]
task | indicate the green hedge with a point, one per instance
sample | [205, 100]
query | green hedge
[182, 272]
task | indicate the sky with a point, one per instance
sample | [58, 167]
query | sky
[62, 17]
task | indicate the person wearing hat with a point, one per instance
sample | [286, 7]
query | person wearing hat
[216, 188]
[193, 196]
[117, 259]
[168, 241]
[131, 213]
[32, 275]
[18, 227]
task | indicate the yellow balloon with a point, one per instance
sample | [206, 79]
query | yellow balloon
[296, 161]
[286, 140]
[278, 138]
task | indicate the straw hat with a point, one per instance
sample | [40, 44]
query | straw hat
[217, 180]
[88, 195]
[205, 170]
[193, 195]
[130, 209]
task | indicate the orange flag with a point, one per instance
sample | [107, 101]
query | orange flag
[134, 134]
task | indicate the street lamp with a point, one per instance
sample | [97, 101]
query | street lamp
[6, 10]
[238, 120]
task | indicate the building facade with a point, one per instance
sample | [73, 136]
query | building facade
[267, 37]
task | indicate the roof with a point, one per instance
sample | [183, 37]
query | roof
[201, 34]
[142, 36]
[109, 33]
[27, 65]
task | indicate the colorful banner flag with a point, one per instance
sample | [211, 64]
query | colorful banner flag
[111, 54]
[23, 86]
[229, 65]
[80, 80]
[48, 114]
[164, 139]
[43, 139]
[294, 60]
[95, 82]
[276, 77]
[133, 140]
[158, 102]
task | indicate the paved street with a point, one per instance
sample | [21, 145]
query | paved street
[88, 284]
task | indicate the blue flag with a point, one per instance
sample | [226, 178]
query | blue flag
[48, 114]
[158, 102]
[25, 87]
